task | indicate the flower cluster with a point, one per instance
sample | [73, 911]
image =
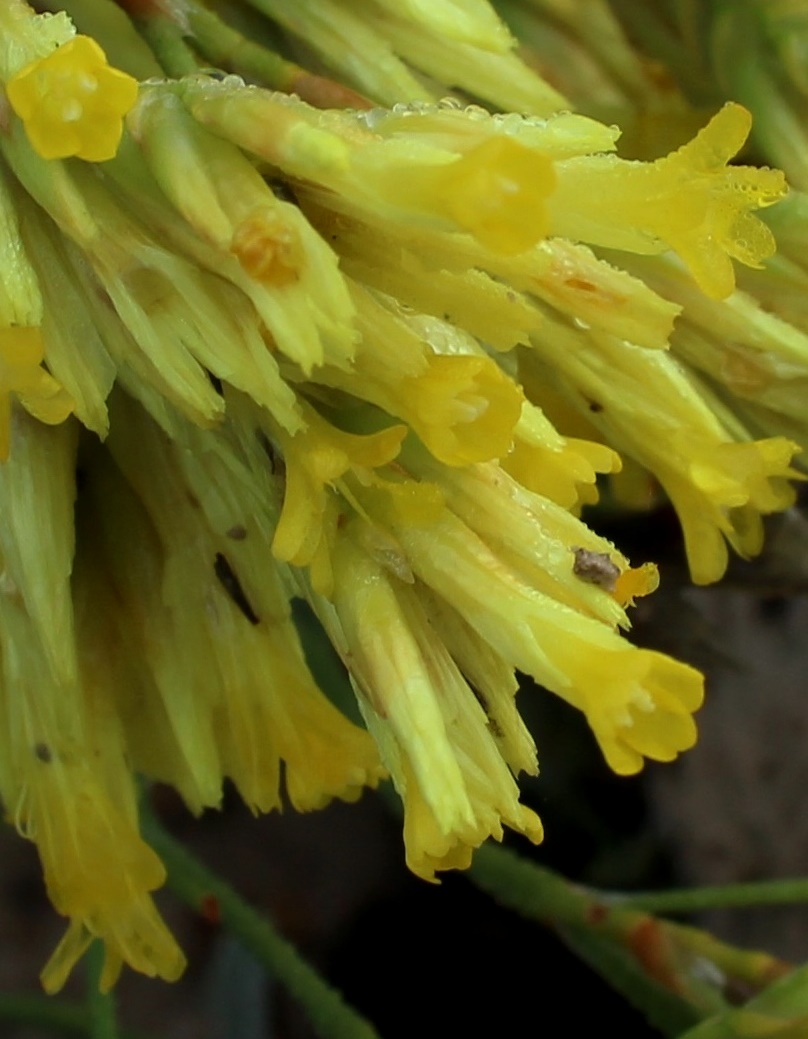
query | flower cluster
[315, 353]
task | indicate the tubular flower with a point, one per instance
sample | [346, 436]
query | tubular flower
[650, 407]
[464, 408]
[315, 461]
[719, 486]
[64, 775]
[752, 347]
[375, 359]
[22, 346]
[638, 703]
[434, 736]
[689, 201]
[21, 373]
[221, 595]
[72, 102]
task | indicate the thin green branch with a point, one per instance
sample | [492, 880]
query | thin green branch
[722, 896]
[197, 886]
[660, 1007]
[669, 953]
[100, 1005]
[169, 44]
[225, 47]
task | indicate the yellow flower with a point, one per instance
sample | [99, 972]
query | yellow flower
[437, 166]
[281, 263]
[573, 565]
[133, 934]
[63, 773]
[755, 343]
[435, 737]
[563, 469]
[221, 596]
[464, 408]
[522, 597]
[21, 373]
[645, 403]
[690, 201]
[309, 350]
[316, 460]
[638, 703]
[497, 191]
[72, 102]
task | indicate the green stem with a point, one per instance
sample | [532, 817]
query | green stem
[669, 952]
[661, 1008]
[168, 42]
[225, 47]
[530, 889]
[100, 1005]
[722, 896]
[197, 886]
